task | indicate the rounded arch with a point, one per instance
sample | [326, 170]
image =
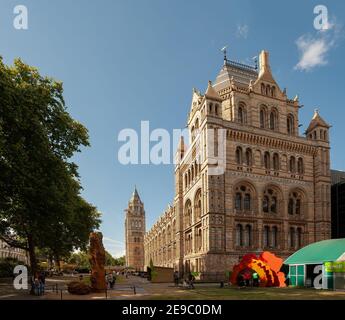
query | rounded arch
[292, 164]
[297, 204]
[300, 166]
[245, 196]
[248, 159]
[197, 205]
[273, 119]
[187, 213]
[239, 155]
[290, 123]
[242, 112]
[273, 199]
[263, 116]
[276, 161]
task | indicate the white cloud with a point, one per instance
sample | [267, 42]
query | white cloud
[312, 52]
[313, 49]
[114, 247]
[242, 31]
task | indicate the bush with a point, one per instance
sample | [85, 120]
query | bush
[7, 266]
[79, 288]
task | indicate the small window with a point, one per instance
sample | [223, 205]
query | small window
[290, 124]
[239, 156]
[267, 161]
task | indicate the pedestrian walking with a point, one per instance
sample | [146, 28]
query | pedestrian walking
[176, 278]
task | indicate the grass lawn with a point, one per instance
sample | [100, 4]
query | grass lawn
[208, 293]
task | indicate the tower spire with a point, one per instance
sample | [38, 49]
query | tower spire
[224, 50]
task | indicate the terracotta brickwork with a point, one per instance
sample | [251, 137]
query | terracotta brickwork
[275, 192]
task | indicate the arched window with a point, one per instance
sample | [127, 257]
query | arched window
[243, 198]
[188, 213]
[268, 90]
[249, 157]
[242, 113]
[262, 118]
[292, 164]
[263, 90]
[239, 160]
[216, 109]
[295, 203]
[300, 166]
[273, 91]
[273, 120]
[274, 236]
[276, 162]
[248, 236]
[270, 201]
[266, 236]
[290, 124]
[239, 235]
[197, 206]
[267, 160]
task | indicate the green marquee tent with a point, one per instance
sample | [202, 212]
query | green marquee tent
[319, 252]
[320, 264]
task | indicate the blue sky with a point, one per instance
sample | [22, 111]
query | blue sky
[127, 61]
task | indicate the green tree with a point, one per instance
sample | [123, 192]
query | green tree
[40, 198]
[121, 261]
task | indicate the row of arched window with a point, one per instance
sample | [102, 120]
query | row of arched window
[270, 162]
[268, 119]
[188, 212]
[268, 90]
[272, 200]
[321, 134]
[191, 173]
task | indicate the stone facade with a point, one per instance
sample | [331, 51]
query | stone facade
[10, 252]
[275, 192]
[134, 232]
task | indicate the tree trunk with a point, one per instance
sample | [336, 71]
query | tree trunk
[33, 260]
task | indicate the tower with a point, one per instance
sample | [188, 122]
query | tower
[318, 131]
[135, 231]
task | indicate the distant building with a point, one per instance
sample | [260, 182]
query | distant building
[135, 231]
[7, 251]
[338, 204]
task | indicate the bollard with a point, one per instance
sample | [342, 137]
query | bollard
[61, 294]
[134, 290]
[106, 293]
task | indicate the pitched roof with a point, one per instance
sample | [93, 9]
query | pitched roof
[317, 121]
[240, 73]
[135, 196]
[319, 252]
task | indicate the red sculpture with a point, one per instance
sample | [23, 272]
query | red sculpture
[267, 266]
